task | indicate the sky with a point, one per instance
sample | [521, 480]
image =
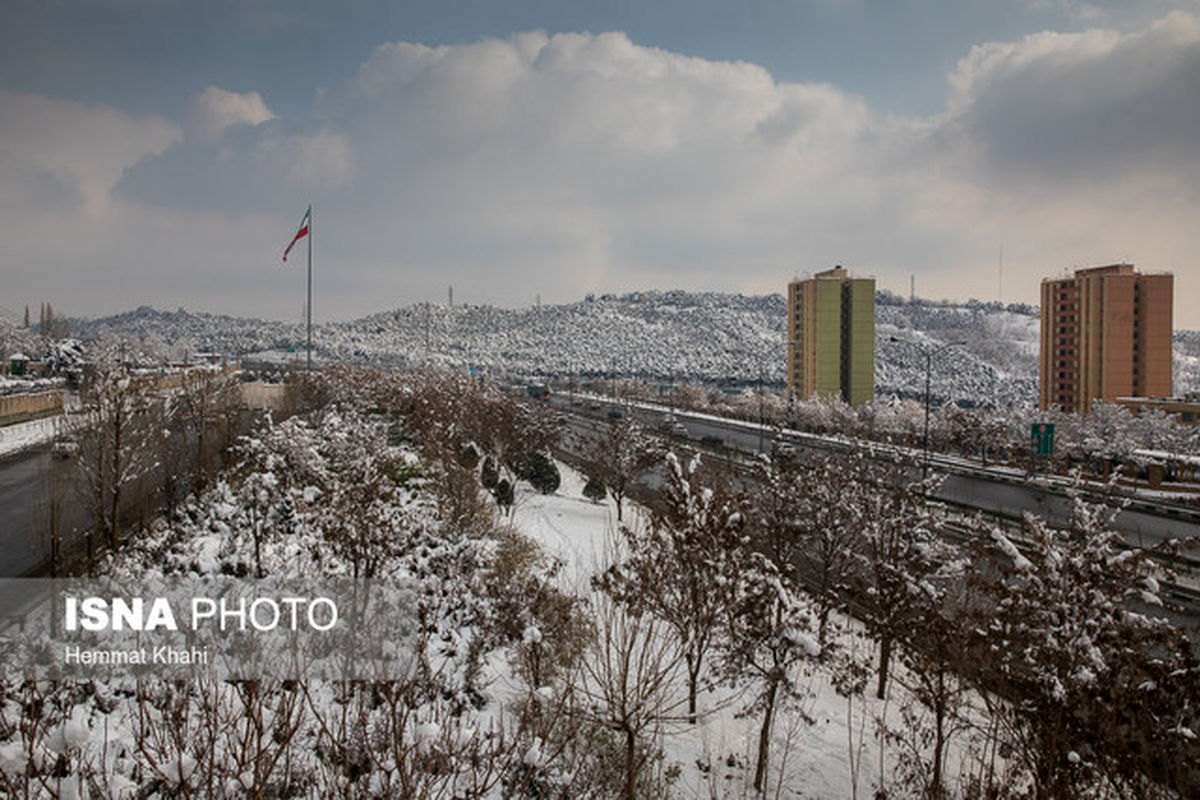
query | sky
[163, 152]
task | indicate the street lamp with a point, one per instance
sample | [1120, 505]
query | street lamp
[929, 354]
[761, 369]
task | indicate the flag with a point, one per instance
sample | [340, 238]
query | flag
[300, 234]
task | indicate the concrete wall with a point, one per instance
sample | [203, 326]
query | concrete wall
[273, 396]
[21, 407]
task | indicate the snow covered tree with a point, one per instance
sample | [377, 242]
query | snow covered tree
[682, 567]
[269, 465]
[893, 526]
[1088, 690]
[771, 631]
[504, 494]
[809, 515]
[365, 517]
[618, 454]
[539, 469]
[933, 648]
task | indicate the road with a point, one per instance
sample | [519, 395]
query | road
[26, 479]
[992, 490]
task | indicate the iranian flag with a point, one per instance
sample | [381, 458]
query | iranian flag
[300, 234]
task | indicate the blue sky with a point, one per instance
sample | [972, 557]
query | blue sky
[161, 152]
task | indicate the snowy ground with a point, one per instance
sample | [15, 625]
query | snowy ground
[812, 761]
[22, 435]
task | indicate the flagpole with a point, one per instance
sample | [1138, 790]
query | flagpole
[309, 304]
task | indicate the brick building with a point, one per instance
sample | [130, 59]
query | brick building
[1106, 333]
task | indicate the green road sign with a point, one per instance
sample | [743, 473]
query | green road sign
[1042, 440]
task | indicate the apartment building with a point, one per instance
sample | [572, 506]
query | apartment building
[831, 337]
[1106, 333]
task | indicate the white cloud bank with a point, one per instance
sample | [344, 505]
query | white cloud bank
[216, 109]
[571, 163]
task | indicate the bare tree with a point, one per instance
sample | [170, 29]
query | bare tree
[629, 685]
[682, 567]
[119, 445]
[808, 516]
[206, 398]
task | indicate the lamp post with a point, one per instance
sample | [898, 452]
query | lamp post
[761, 420]
[929, 354]
[761, 370]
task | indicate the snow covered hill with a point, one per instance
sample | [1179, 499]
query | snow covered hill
[670, 336]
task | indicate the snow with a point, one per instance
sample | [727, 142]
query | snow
[1020, 562]
[819, 759]
[668, 336]
[23, 435]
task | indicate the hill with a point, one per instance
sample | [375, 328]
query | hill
[669, 336]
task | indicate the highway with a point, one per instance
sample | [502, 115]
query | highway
[993, 490]
[25, 513]
[999, 494]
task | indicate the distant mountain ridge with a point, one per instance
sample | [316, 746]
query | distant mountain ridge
[657, 336]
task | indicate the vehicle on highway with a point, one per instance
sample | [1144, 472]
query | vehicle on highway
[64, 447]
[616, 413]
[710, 439]
[678, 429]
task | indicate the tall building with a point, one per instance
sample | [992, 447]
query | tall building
[831, 337]
[1106, 333]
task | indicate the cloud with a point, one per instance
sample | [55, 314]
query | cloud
[56, 153]
[215, 109]
[1091, 105]
[567, 163]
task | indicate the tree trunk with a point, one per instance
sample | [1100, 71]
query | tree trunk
[693, 671]
[114, 532]
[939, 742]
[630, 764]
[764, 737]
[885, 657]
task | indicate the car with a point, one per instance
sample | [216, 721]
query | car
[616, 413]
[710, 439]
[678, 429]
[64, 447]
